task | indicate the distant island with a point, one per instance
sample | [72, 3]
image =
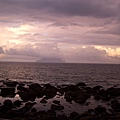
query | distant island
[51, 60]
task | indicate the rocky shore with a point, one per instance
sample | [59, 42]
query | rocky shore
[20, 101]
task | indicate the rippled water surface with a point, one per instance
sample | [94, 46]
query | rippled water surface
[66, 73]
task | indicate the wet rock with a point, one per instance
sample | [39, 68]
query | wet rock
[80, 96]
[33, 110]
[90, 117]
[50, 91]
[81, 84]
[41, 113]
[57, 107]
[115, 105]
[68, 96]
[35, 86]
[97, 88]
[4, 109]
[56, 101]
[12, 84]
[74, 115]
[22, 88]
[100, 110]
[103, 93]
[61, 117]
[39, 92]
[52, 113]
[8, 103]
[27, 107]
[24, 96]
[97, 97]
[90, 91]
[32, 96]
[114, 92]
[7, 91]
[71, 88]
[43, 101]
[17, 103]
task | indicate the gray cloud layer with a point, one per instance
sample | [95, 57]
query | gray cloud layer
[94, 8]
[56, 22]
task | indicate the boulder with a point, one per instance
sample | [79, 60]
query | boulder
[17, 103]
[8, 103]
[99, 110]
[43, 101]
[50, 91]
[61, 117]
[22, 88]
[57, 107]
[81, 84]
[56, 101]
[115, 105]
[97, 88]
[27, 107]
[34, 86]
[24, 96]
[7, 91]
[74, 115]
[12, 84]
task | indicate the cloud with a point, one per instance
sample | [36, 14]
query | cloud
[113, 52]
[37, 51]
[43, 28]
[1, 50]
[94, 8]
[89, 54]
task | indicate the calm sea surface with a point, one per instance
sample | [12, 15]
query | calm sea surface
[66, 73]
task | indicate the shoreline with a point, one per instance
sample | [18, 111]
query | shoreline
[63, 102]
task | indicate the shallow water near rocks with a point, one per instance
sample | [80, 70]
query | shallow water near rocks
[61, 75]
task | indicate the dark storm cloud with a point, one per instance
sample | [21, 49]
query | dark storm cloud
[94, 8]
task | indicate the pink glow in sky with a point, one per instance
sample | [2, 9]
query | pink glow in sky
[78, 31]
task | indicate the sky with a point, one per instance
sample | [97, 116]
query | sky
[77, 31]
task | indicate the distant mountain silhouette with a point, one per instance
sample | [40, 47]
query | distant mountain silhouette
[51, 60]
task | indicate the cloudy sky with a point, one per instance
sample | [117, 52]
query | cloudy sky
[84, 31]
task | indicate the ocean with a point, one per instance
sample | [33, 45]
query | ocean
[62, 74]
[107, 75]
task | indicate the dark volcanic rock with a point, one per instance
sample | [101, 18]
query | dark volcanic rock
[34, 86]
[43, 101]
[26, 108]
[22, 88]
[61, 117]
[50, 91]
[99, 110]
[80, 96]
[8, 103]
[115, 105]
[56, 101]
[97, 88]
[17, 103]
[57, 107]
[41, 113]
[7, 91]
[71, 88]
[12, 84]
[74, 115]
[114, 92]
[24, 96]
[81, 84]
[97, 97]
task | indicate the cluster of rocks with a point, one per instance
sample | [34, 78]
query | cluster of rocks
[78, 93]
